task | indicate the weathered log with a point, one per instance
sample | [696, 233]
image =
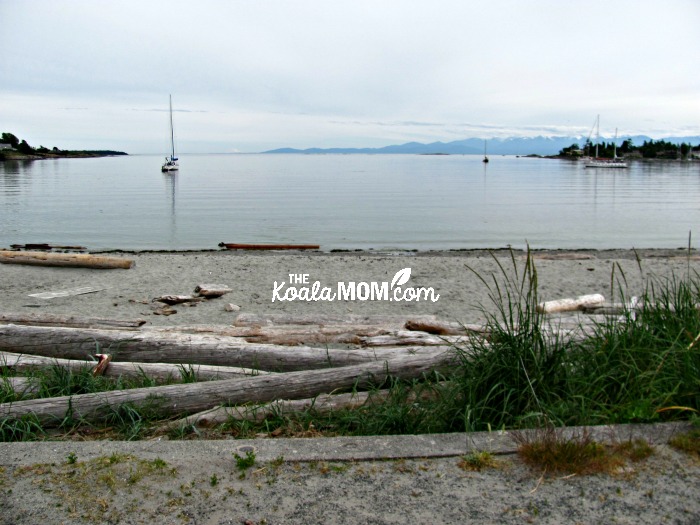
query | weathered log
[189, 398]
[77, 260]
[570, 305]
[289, 335]
[155, 347]
[22, 386]
[410, 338]
[211, 291]
[438, 327]
[45, 319]
[44, 246]
[239, 246]
[309, 334]
[395, 321]
[323, 403]
[161, 371]
[177, 299]
[566, 256]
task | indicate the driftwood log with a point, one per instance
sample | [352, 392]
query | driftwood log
[239, 246]
[22, 386]
[570, 305]
[161, 371]
[438, 327]
[395, 321]
[177, 299]
[323, 403]
[45, 319]
[211, 291]
[195, 397]
[78, 260]
[155, 347]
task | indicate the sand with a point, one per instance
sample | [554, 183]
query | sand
[454, 276]
[205, 485]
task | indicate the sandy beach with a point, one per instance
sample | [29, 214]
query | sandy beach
[252, 276]
[202, 484]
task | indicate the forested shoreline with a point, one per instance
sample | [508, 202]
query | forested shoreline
[21, 150]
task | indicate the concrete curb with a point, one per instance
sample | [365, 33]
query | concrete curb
[367, 448]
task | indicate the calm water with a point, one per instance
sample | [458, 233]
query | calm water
[347, 201]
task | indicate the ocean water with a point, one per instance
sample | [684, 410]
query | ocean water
[383, 202]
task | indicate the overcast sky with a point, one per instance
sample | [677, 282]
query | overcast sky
[252, 75]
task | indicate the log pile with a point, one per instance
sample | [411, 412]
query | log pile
[287, 362]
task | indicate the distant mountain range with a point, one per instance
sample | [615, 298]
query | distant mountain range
[507, 146]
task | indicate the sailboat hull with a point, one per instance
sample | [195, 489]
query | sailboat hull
[606, 164]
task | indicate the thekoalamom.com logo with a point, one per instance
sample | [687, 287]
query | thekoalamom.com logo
[299, 289]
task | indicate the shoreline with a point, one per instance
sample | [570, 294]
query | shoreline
[416, 252]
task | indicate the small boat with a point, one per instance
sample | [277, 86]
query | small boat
[170, 164]
[597, 162]
[235, 246]
[486, 159]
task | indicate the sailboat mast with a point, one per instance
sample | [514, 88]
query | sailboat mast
[172, 133]
[597, 135]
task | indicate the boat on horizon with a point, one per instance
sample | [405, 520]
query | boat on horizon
[171, 164]
[598, 162]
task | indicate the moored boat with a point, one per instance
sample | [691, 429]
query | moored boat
[170, 163]
[598, 162]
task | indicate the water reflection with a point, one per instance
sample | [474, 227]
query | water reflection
[170, 180]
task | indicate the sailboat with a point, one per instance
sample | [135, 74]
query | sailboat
[170, 164]
[486, 159]
[605, 163]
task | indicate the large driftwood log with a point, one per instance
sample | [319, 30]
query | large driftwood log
[155, 347]
[161, 371]
[78, 260]
[22, 386]
[290, 335]
[395, 321]
[439, 327]
[195, 397]
[410, 338]
[45, 319]
[323, 403]
[239, 246]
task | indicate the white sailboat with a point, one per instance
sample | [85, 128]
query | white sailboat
[170, 163]
[597, 162]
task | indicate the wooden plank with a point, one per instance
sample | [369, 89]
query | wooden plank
[46, 319]
[67, 293]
